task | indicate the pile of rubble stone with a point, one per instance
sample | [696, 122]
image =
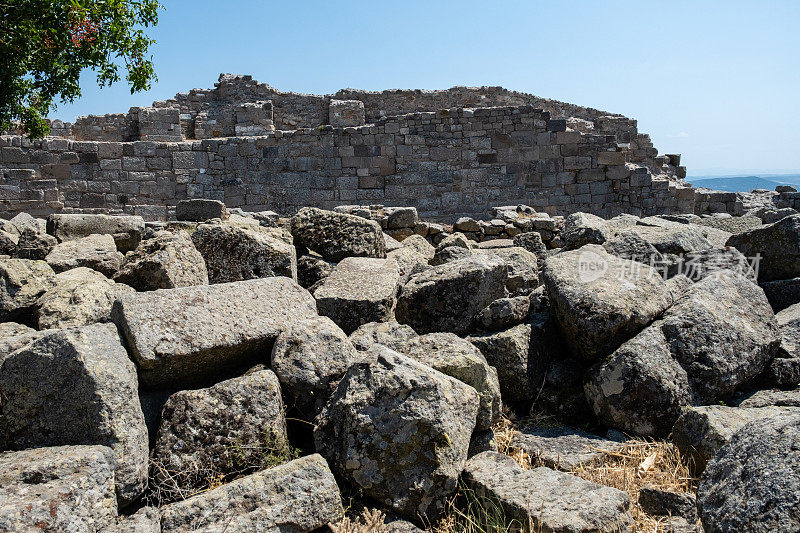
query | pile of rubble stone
[236, 371]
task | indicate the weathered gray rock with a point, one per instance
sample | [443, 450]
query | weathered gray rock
[551, 501]
[674, 238]
[98, 252]
[126, 229]
[34, 245]
[718, 336]
[560, 392]
[166, 261]
[414, 253]
[80, 296]
[22, 282]
[220, 430]
[310, 357]
[390, 334]
[14, 336]
[601, 300]
[765, 398]
[460, 359]
[584, 228]
[698, 265]
[659, 502]
[752, 483]
[701, 431]
[145, 520]
[509, 351]
[532, 241]
[400, 217]
[628, 244]
[457, 239]
[185, 335]
[399, 430]
[337, 235]
[523, 274]
[20, 223]
[236, 253]
[299, 496]
[8, 243]
[782, 293]
[449, 296]
[779, 246]
[312, 269]
[86, 393]
[12, 329]
[563, 448]
[503, 313]
[358, 291]
[200, 210]
[64, 488]
[450, 253]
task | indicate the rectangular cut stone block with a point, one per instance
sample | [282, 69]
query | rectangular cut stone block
[611, 158]
[185, 335]
[346, 113]
[299, 496]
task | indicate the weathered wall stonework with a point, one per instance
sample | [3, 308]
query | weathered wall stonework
[469, 149]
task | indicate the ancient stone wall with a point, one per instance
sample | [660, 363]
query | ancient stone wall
[446, 164]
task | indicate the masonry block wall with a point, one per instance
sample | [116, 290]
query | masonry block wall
[447, 163]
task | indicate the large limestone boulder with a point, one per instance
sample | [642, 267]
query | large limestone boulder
[523, 273]
[509, 351]
[189, 334]
[126, 229]
[311, 269]
[449, 296]
[337, 235]
[413, 254]
[674, 238]
[222, 430]
[98, 252]
[22, 282]
[20, 223]
[753, 484]
[310, 357]
[14, 336]
[63, 488]
[503, 313]
[400, 431]
[601, 300]
[166, 261]
[784, 370]
[701, 431]
[719, 335]
[584, 228]
[299, 496]
[358, 291]
[549, 500]
[200, 210]
[86, 393]
[34, 245]
[777, 244]
[8, 243]
[79, 297]
[460, 359]
[239, 252]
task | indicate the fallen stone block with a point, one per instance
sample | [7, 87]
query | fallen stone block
[777, 244]
[224, 430]
[400, 431]
[236, 253]
[337, 235]
[563, 448]
[200, 210]
[166, 261]
[449, 296]
[126, 229]
[98, 252]
[80, 296]
[299, 496]
[86, 393]
[358, 291]
[547, 500]
[309, 358]
[22, 282]
[186, 335]
[62, 488]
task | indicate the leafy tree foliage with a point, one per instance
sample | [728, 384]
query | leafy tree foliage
[45, 44]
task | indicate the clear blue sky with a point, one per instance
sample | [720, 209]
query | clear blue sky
[718, 81]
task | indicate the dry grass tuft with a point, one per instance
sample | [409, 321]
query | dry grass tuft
[370, 521]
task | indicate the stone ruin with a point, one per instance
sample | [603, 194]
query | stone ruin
[448, 153]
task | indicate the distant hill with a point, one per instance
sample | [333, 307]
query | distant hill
[744, 183]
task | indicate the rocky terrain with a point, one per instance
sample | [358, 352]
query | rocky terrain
[243, 371]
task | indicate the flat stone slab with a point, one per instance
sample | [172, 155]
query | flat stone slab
[181, 336]
[549, 500]
[563, 448]
[298, 496]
